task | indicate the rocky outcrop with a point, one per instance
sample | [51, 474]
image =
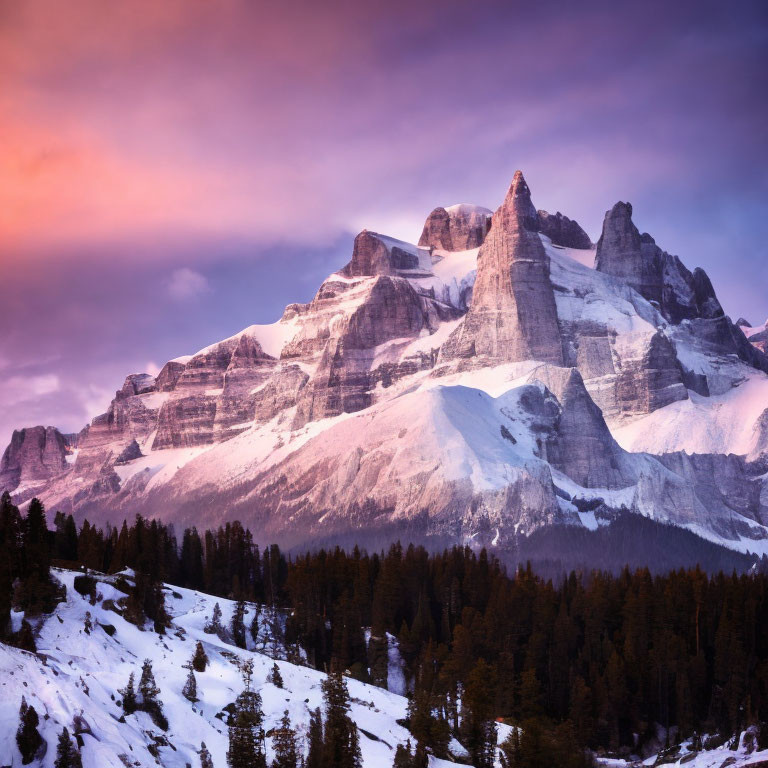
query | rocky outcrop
[34, 455]
[513, 314]
[375, 254]
[656, 275]
[457, 228]
[581, 445]
[169, 375]
[563, 231]
[390, 309]
[212, 397]
[129, 453]
[249, 367]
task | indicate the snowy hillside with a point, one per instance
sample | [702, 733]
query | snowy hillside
[75, 678]
[79, 674]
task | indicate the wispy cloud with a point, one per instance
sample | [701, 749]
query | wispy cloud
[20, 389]
[187, 284]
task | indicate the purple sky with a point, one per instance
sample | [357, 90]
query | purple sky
[172, 172]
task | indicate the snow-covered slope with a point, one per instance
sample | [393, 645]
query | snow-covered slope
[79, 674]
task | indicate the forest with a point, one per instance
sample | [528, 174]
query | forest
[588, 659]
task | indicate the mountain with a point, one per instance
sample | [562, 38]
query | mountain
[502, 381]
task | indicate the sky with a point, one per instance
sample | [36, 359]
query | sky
[171, 172]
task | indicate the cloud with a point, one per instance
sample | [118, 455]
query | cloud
[187, 284]
[20, 389]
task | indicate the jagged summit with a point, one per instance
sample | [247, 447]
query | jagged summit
[481, 385]
[563, 231]
[456, 228]
[513, 315]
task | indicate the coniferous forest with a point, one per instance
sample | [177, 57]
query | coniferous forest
[593, 659]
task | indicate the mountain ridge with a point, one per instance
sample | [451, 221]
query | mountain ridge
[480, 385]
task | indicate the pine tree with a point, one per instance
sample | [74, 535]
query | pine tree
[315, 751]
[67, 755]
[25, 639]
[420, 757]
[275, 677]
[246, 734]
[200, 658]
[238, 624]
[10, 562]
[214, 626]
[341, 748]
[28, 738]
[128, 693]
[148, 690]
[403, 756]
[206, 761]
[478, 728]
[284, 745]
[189, 691]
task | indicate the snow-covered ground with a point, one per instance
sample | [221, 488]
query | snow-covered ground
[745, 754]
[75, 673]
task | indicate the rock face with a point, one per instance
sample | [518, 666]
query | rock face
[563, 231]
[581, 446]
[34, 455]
[456, 228]
[374, 254]
[679, 294]
[391, 309]
[513, 314]
[656, 275]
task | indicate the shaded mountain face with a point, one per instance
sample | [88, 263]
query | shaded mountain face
[500, 378]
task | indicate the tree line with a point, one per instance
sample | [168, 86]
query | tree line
[590, 659]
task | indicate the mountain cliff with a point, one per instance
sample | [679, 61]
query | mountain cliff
[502, 377]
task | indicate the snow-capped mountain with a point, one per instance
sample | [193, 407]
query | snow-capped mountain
[502, 377]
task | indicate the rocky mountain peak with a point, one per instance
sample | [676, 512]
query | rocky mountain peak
[456, 228]
[513, 314]
[619, 242]
[518, 205]
[35, 454]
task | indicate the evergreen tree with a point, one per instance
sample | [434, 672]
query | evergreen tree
[275, 677]
[200, 658]
[67, 754]
[130, 705]
[214, 626]
[147, 696]
[478, 728]
[403, 756]
[65, 538]
[189, 691]
[284, 745]
[28, 738]
[26, 637]
[206, 761]
[341, 748]
[148, 690]
[238, 624]
[10, 562]
[315, 751]
[246, 734]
